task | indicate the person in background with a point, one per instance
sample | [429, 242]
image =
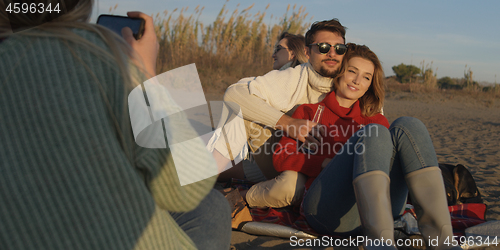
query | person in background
[72, 176]
[289, 52]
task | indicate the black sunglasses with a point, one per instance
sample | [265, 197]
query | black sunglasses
[324, 48]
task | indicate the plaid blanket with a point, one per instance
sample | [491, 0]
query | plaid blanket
[462, 216]
[287, 216]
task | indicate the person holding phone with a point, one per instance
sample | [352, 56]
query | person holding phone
[72, 176]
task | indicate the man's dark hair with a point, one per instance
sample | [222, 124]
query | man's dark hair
[328, 25]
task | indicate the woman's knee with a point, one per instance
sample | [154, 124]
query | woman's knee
[414, 144]
[409, 124]
[374, 136]
[376, 131]
[373, 150]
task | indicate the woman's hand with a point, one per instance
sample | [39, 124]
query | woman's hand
[147, 47]
[325, 162]
[303, 130]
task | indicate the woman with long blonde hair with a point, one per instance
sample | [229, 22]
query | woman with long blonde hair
[72, 176]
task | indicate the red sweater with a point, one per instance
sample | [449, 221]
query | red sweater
[341, 123]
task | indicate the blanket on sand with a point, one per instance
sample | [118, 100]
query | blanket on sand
[463, 216]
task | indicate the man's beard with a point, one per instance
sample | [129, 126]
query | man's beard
[326, 73]
[323, 71]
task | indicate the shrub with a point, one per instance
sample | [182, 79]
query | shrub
[428, 76]
[405, 73]
[448, 83]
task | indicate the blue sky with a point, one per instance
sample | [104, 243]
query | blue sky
[451, 34]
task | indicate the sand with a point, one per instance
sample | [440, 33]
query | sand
[464, 130]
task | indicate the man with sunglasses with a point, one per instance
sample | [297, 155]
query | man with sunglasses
[325, 62]
[268, 101]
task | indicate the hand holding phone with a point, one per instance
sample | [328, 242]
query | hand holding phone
[138, 31]
[117, 23]
[147, 47]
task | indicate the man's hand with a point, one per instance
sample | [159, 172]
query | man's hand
[147, 47]
[303, 130]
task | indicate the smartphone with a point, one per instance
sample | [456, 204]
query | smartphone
[117, 23]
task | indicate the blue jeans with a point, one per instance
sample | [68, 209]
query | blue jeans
[209, 224]
[330, 204]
